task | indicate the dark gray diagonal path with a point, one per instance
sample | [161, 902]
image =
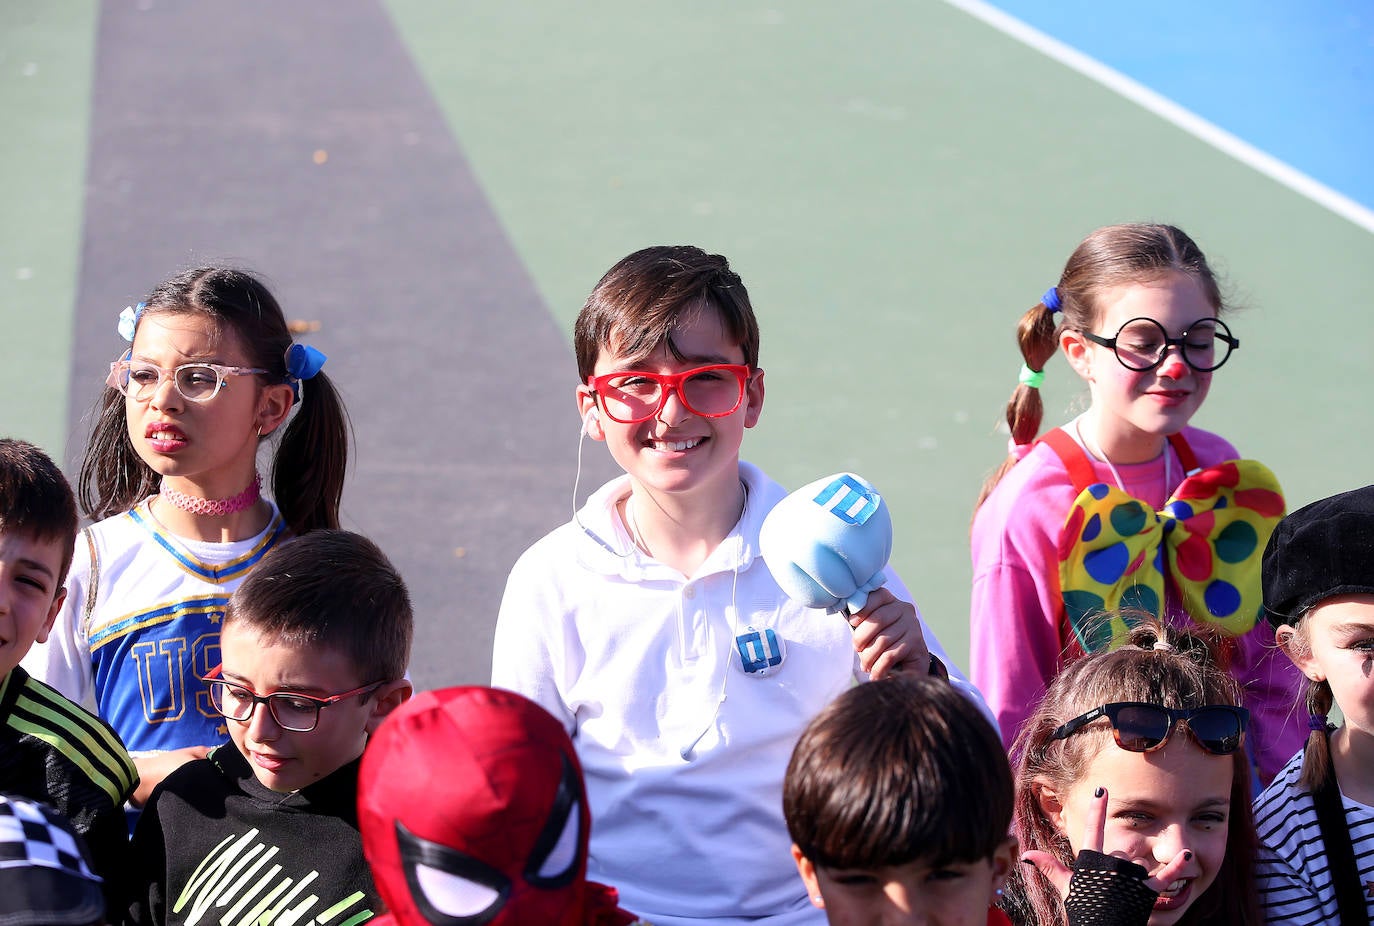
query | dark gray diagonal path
[297, 140]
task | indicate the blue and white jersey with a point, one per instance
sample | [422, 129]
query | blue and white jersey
[139, 657]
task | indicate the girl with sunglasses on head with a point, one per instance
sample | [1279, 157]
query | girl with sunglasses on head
[170, 474]
[1127, 505]
[1316, 821]
[1133, 791]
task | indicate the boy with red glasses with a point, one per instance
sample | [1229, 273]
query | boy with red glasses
[314, 651]
[652, 629]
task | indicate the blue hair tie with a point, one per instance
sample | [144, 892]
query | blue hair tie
[128, 321]
[1316, 722]
[1051, 299]
[302, 363]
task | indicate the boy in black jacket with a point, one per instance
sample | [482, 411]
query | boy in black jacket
[313, 657]
[51, 750]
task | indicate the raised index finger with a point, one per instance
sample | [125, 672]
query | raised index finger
[1095, 826]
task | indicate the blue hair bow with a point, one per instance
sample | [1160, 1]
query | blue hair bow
[302, 363]
[128, 321]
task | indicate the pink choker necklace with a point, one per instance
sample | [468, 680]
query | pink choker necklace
[214, 506]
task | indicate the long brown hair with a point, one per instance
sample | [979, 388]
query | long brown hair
[312, 457]
[1183, 673]
[1111, 256]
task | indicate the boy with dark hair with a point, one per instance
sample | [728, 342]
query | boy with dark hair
[313, 658]
[51, 750]
[651, 627]
[898, 799]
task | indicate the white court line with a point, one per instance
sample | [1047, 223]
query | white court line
[1161, 106]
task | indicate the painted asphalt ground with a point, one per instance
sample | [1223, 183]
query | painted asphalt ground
[449, 366]
[895, 181]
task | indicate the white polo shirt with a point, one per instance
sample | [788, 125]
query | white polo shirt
[684, 751]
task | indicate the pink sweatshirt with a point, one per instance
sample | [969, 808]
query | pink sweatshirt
[1014, 620]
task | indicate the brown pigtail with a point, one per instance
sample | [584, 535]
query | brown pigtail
[1316, 755]
[1038, 337]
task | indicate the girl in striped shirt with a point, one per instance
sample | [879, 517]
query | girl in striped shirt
[1316, 820]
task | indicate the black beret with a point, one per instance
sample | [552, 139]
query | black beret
[1320, 551]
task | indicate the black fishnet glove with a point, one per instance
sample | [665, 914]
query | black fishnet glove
[1109, 891]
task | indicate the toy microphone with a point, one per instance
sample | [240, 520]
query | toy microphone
[827, 543]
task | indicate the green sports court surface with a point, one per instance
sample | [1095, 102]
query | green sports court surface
[439, 184]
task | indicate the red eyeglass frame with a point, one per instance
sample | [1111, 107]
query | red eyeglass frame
[217, 675]
[669, 383]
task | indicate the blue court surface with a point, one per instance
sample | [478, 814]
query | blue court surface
[1295, 80]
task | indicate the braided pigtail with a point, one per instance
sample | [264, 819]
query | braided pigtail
[1037, 335]
[1316, 755]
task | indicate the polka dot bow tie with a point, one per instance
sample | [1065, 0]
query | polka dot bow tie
[1114, 551]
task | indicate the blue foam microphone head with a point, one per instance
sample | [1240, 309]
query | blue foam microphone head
[827, 543]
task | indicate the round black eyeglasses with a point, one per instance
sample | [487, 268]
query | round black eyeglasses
[1142, 344]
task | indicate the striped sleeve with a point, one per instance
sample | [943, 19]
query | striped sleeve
[86, 741]
[1292, 871]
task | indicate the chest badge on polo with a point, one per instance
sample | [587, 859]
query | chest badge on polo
[760, 651]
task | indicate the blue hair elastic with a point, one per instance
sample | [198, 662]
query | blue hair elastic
[302, 363]
[128, 321]
[1316, 722]
[1051, 299]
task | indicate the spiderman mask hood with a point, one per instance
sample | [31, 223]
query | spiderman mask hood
[473, 811]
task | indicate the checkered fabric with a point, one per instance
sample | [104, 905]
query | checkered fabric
[32, 834]
[45, 875]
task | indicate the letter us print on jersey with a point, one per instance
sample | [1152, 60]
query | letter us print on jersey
[140, 627]
[245, 875]
[157, 646]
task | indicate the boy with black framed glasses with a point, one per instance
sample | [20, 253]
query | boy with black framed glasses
[313, 657]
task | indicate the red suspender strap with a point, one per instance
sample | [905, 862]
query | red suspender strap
[1185, 455]
[1080, 466]
[1074, 457]
[1082, 475]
